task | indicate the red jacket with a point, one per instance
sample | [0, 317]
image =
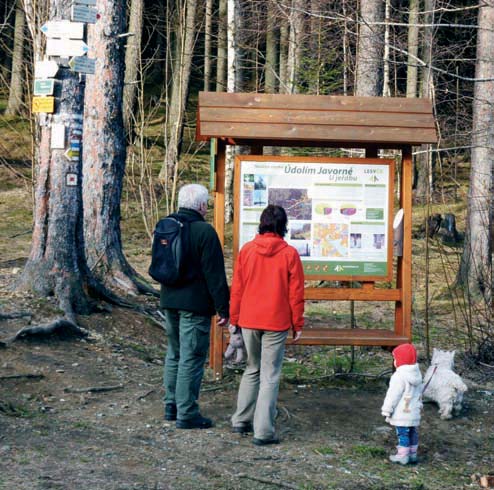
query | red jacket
[267, 291]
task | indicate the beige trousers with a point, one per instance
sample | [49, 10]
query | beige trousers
[258, 391]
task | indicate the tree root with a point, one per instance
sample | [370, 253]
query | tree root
[60, 326]
[16, 314]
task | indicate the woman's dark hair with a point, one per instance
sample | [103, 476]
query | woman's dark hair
[274, 220]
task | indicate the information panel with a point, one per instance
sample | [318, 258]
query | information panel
[339, 211]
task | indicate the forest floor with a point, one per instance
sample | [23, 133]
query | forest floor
[57, 431]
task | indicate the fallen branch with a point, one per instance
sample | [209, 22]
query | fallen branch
[11, 316]
[268, 481]
[20, 376]
[60, 326]
[486, 365]
[93, 389]
[144, 395]
[216, 388]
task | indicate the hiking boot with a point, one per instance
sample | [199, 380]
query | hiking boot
[265, 442]
[197, 422]
[243, 429]
[401, 456]
[170, 411]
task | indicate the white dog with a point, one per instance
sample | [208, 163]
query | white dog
[445, 388]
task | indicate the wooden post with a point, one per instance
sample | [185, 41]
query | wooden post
[403, 309]
[216, 339]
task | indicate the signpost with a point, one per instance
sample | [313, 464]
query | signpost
[66, 47]
[82, 64]
[45, 69]
[44, 87]
[57, 136]
[63, 29]
[44, 104]
[86, 2]
[83, 13]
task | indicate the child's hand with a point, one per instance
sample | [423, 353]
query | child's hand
[385, 414]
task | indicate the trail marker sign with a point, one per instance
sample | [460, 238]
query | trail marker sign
[44, 87]
[63, 29]
[82, 64]
[84, 13]
[43, 104]
[66, 47]
[45, 69]
[92, 3]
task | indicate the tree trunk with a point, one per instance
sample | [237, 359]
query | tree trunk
[56, 264]
[271, 50]
[476, 262]
[413, 48]
[207, 44]
[369, 51]
[294, 45]
[105, 150]
[221, 58]
[423, 163]
[284, 54]
[180, 85]
[14, 104]
[386, 78]
[132, 62]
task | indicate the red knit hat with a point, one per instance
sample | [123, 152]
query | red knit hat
[405, 354]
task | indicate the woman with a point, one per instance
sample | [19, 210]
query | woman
[266, 300]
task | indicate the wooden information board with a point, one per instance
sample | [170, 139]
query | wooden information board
[340, 211]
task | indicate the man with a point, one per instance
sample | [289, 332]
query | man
[188, 309]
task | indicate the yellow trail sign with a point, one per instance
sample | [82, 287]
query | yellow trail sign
[44, 104]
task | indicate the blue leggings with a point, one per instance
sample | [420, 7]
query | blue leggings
[407, 436]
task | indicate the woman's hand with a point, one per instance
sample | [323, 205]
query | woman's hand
[296, 335]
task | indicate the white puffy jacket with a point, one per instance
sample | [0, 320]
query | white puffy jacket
[403, 401]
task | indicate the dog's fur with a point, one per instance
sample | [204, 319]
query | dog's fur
[446, 388]
[236, 349]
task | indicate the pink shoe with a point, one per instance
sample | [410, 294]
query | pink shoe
[401, 456]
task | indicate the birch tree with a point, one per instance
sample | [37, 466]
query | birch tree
[208, 25]
[221, 57]
[476, 261]
[296, 23]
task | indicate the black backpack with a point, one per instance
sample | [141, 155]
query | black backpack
[171, 263]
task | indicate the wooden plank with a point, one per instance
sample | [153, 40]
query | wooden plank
[352, 294]
[316, 102]
[357, 134]
[403, 309]
[344, 336]
[331, 118]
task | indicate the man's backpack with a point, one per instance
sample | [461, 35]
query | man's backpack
[171, 263]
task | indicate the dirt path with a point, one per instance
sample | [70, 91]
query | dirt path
[53, 437]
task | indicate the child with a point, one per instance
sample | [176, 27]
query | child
[403, 403]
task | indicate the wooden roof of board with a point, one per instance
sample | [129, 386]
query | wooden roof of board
[315, 120]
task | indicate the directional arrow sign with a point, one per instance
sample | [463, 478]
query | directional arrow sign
[66, 47]
[83, 13]
[82, 64]
[63, 29]
[44, 87]
[45, 69]
[72, 155]
[86, 2]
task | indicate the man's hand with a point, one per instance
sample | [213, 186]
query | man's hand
[222, 322]
[296, 335]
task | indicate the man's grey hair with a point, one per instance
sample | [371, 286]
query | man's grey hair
[192, 196]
